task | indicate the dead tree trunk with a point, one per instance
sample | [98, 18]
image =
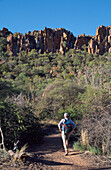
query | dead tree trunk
[2, 144]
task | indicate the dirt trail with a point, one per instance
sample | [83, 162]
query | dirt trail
[52, 155]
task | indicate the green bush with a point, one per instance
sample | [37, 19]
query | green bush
[95, 151]
[97, 119]
[78, 146]
[75, 112]
[92, 149]
[18, 122]
[3, 44]
[61, 96]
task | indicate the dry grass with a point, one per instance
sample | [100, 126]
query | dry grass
[49, 122]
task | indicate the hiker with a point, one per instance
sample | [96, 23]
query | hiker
[66, 126]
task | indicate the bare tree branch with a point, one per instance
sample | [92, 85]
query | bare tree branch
[2, 144]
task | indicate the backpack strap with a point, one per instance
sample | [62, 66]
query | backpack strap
[65, 120]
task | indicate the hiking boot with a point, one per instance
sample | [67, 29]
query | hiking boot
[66, 153]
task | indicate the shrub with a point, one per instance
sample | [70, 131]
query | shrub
[18, 122]
[78, 146]
[3, 44]
[75, 112]
[97, 119]
[60, 96]
[93, 150]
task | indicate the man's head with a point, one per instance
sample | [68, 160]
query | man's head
[66, 115]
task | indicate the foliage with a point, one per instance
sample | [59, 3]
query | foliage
[78, 83]
[60, 96]
[4, 154]
[97, 119]
[3, 44]
[76, 112]
[82, 148]
[95, 151]
[18, 122]
[78, 146]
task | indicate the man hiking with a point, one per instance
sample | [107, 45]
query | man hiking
[66, 126]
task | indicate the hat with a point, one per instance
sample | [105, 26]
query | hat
[66, 115]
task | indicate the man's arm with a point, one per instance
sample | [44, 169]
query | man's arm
[60, 125]
[73, 124]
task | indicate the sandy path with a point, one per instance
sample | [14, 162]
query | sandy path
[52, 154]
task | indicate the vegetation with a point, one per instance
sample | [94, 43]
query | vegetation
[82, 148]
[36, 87]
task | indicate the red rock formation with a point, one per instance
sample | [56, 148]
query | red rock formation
[101, 42]
[4, 32]
[57, 40]
[81, 41]
[48, 40]
[93, 46]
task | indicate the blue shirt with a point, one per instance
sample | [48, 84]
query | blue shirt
[63, 121]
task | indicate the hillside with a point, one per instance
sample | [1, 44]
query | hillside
[40, 80]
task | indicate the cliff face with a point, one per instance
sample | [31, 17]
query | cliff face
[100, 43]
[57, 40]
[47, 40]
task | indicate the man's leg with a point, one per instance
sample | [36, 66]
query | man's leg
[67, 144]
[67, 139]
[64, 142]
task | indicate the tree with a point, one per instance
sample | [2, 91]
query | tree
[18, 122]
[97, 119]
[59, 94]
[3, 44]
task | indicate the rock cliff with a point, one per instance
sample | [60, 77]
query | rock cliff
[48, 40]
[58, 40]
[101, 42]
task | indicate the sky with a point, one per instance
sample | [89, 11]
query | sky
[77, 16]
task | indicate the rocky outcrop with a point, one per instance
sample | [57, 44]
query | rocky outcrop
[58, 40]
[101, 42]
[4, 32]
[48, 40]
[93, 46]
[81, 41]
